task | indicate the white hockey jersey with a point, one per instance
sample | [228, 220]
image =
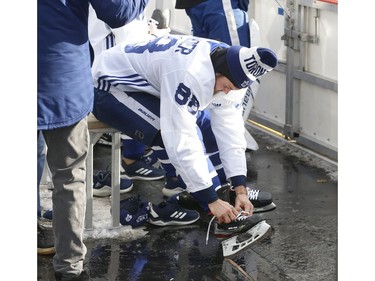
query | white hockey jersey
[102, 37]
[179, 71]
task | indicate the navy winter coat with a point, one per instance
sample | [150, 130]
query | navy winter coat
[65, 87]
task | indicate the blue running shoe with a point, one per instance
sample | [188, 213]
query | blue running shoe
[167, 213]
[102, 184]
[173, 186]
[133, 211]
[139, 170]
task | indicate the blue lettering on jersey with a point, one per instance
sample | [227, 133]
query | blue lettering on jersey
[183, 96]
[187, 46]
[157, 45]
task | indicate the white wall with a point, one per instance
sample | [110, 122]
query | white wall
[318, 111]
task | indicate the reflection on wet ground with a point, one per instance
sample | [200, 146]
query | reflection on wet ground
[302, 245]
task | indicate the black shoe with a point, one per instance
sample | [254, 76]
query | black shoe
[185, 200]
[105, 139]
[46, 239]
[48, 214]
[82, 277]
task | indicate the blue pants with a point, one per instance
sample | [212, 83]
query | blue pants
[124, 115]
[221, 20]
[132, 149]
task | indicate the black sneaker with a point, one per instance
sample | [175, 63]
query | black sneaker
[82, 277]
[48, 214]
[105, 139]
[46, 239]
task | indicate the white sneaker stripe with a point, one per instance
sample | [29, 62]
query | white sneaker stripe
[178, 215]
[183, 215]
[143, 171]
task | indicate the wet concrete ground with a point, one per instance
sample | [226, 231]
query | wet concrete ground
[302, 245]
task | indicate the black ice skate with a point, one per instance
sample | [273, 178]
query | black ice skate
[261, 200]
[240, 234]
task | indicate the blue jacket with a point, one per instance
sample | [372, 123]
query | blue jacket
[65, 87]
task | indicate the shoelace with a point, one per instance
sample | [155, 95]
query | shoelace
[241, 216]
[253, 194]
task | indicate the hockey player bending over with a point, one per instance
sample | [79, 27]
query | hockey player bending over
[155, 91]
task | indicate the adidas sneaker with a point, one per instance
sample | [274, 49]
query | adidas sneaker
[139, 170]
[173, 186]
[134, 211]
[102, 184]
[167, 213]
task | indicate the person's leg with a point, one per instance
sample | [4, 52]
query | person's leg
[241, 25]
[66, 158]
[174, 183]
[120, 111]
[46, 239]
[40, 166]
[196, 15]
[221, 20]
[135, 151]
[132, 150]
[135, 165]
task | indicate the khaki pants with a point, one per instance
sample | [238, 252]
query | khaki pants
[66, 158]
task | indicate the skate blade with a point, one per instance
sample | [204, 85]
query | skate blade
[269, 207]
[244, 240]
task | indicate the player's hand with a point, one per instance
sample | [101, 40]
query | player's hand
[223, 211]
[242, 200]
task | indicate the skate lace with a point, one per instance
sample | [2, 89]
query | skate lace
[253, 194]
[242, 215]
